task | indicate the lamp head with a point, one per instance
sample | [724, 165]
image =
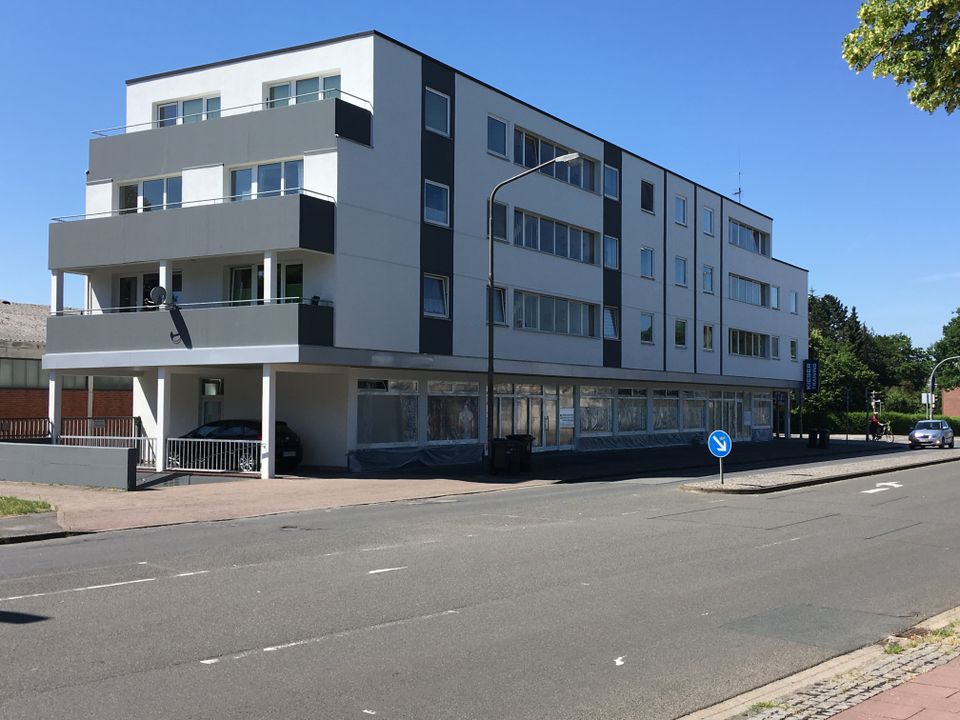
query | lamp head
[568, 158]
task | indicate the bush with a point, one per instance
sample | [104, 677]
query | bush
[856, 422]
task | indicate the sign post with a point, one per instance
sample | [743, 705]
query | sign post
[719, 444]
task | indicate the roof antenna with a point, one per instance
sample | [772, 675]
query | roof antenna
[739, 193]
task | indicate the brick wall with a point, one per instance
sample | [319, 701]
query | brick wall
[32, 402]
[951, 403]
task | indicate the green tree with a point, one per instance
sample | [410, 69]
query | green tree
[916, 42]
[840, 370]
[948, 376]
[827, 315]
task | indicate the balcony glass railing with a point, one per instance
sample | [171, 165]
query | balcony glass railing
[291, 300]
[194, 203]
[191, 118]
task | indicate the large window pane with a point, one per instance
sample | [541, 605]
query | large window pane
[546, 153]
[451, 417]
[631, 414]
[386, 419]
[611, 323]
[546, 314]
[174, 192]
[192, 111]
[646, 327]
[589, 175]
[213, 108]
[561, 315]
[167, 115]
[646, 196]
[596, 414]
[279, 95]
[576, 244]
[499, 221]
[128, 199]
[496, 136]
[646, 262]
[293, 285]
[562, 248]
[152, 195]
[576, 318]
[436, 203]
[531, 152]
[436, 111]
[611, 252]
[546, 236]
[241, 184]
[331, 87]
[531, 224]
[308, 90]
[292, 177]
[517, 227]
[531, 311]
[268, 180]
[434, 296]
[589, 247]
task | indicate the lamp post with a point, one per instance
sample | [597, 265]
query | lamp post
[930, 384]
[491, 292]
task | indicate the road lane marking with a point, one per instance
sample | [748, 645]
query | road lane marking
[369, 712]
[882, 487]
[386, 570]
[210, 661]
[779, 542]
[191, 574]
[102, 586]
[380, 547]
[618, 661]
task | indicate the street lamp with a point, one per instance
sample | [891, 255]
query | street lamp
[930, 384]
[491, 292]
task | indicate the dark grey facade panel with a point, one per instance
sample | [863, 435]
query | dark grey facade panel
[274, 223]
[613, 278]
[436, 243]
[235, 140]
[193, 328]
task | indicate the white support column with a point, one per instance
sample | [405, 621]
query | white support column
[166, 281]
[786, 419]
[56, 292]
[268, 423]
[163, 417]
[55, 404]
[269, 276]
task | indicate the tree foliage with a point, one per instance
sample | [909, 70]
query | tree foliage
[916, 42]
[948, 376]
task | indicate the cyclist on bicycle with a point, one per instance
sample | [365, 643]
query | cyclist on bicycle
[877, 428]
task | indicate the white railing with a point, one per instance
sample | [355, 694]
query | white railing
[213, 455]
[118, 426]
[145, 446]
[24, 428]
[291, 300]
[239, 110]
[191, 203]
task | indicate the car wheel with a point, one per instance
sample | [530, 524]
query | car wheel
[173, 462]
[951, 443]
[942, 444]
[912, 446]
[247, 461]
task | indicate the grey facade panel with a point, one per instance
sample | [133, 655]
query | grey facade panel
[69, 465]
[249, 137]
[273, 223]
[192, 328]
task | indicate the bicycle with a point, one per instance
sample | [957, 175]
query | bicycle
[883, 433]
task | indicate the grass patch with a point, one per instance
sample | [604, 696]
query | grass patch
[893, 648]
[16, 506]
[763, 705]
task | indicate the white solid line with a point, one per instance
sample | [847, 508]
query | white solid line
[385, 570]
[79, 589]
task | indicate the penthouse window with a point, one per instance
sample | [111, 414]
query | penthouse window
[267, 180]
[749, 238]
[553, 314]
[151, 195]
[530, 150]
[556, 238]
[753, 292]
[295, 92]
[185, 112]
[749, 344]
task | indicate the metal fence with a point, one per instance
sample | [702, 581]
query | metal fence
[25, 428]
[146, 446]
[213, 455]
[124, 427]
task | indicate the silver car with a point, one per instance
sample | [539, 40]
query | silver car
[931, 432]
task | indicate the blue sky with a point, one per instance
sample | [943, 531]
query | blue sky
[860, 183]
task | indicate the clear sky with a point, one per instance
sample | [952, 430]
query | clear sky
[860, 183]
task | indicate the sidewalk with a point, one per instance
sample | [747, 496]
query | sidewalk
[776, 464]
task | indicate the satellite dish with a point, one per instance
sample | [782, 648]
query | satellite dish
[157, 295]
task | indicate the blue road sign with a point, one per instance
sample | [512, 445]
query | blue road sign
[719, 444]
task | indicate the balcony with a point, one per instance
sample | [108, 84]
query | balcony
[235, 140]
[190, 330]
[298, 221]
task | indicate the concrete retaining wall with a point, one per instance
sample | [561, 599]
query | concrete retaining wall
[69, 465]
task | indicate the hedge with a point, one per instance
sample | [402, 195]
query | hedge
[856, 422]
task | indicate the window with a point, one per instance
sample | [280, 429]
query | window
[302, 91]
[611, 252]
[566, 317]
[680, 271]
[452, 411]
[436, 112]
[331, 87]
[775, 347]
[596, 409]
[646, 196]
[611, 182]
[749, 238]
[646, 327]
[708, 221]
[307, 90]
[435, 296]
[750, 291]
[680, 210]
[774, 297]
[694, 410]
[646, 262]
[129, 198]
[666, 410]
[749, 344]
[186, 112]
[499, 221]
[278, 95]
[794, 303]
[387, 412]
[680, 333]
[267, 180]
[708, 337]
[631, 410]
[530, 150]
[549, 236]
[611, 323]
[151, 195]
[499, 306]
[496, 136]
[793, 349]
[436, 203]
[708, 279]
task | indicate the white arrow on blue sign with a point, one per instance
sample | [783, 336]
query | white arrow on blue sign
[719, 444]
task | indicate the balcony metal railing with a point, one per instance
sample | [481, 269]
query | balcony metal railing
[119, 426]
[146, 446]
[292, 300]
[214, 455]
[194, 203]
[25, 428]
[241, 110]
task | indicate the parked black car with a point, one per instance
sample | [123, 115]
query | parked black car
[234, 456]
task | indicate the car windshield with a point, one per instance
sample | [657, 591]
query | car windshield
[928, 425]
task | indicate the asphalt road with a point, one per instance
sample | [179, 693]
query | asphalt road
[629, 599]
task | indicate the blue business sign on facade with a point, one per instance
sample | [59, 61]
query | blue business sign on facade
[811, 376]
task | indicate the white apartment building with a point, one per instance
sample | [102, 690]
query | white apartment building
[318, 216]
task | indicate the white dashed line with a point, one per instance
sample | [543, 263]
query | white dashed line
[618, 661]
[79, 589]
[190, 574]
[386, 570]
